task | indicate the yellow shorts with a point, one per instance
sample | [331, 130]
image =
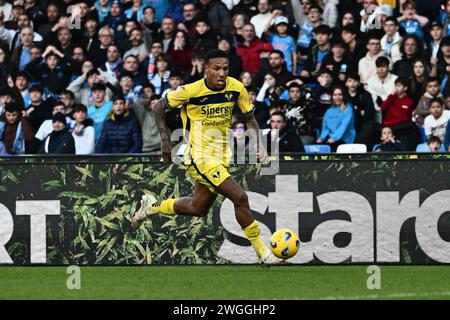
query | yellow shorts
[210, 175]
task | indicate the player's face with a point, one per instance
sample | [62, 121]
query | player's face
[217, 72]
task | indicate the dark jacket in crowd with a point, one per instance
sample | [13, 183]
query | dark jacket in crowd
[58, 142]
[288, 141]
[121, 134]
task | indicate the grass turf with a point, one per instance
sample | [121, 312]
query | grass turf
[226, 282]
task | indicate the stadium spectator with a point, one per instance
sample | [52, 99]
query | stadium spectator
[397, 114]
[388, 142]
[305, 36]
[381, 85]
[82, 87]
[423, 107]
[262, 18]
[411, 21]
[420, 74]
[235, 67]
[299, 108]
[434, 144]
[288, 141]
[315, 57]
[280, 40]
[59, 141]
[364, 110]
[338, 122]
[238, 21]
[121, 132]
[15, 131]
[100, 109]
[189, 21]
[367, 66]
[249, 49]
[322, 95]
[433, 47]
[435, 124]
[277, 66]
[166, 35]
[151, 139]
[336, 62]
[391, 41]
[355, 48]
[218, 16]
[411, 49]
[39, 109]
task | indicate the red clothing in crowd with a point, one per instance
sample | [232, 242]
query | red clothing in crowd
[181, 59]
[250, 55]
[397, 110]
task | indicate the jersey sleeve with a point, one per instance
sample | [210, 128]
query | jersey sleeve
[177, 98]
[243, 103]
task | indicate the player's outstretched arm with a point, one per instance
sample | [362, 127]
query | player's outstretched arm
[166, 145]
[255, 134]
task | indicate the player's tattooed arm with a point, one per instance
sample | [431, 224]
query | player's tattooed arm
[255, 134]
[159, 110]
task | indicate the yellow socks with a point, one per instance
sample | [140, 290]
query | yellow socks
[164, 207]
[253, 234]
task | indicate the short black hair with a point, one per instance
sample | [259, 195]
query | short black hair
[392, 19]
[402, 81]
[119, 97]
[354, 76]
[431, 79]
[294, 85]
[279, 52]
[382, 61]
[434, 139]
[12, 107]
[79, 107]
[322, 29]
[438, 100]
[350, 28]
[279, 113]
[58, 103]
[98, 87]
[215, 53]
[36, 87]
[176, 74]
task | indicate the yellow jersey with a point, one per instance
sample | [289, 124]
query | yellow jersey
[207, 116]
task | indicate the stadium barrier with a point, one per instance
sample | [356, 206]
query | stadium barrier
[347, 210]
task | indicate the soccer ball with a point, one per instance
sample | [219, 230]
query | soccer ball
[284, 243]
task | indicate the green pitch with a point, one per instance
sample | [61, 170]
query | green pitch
[226, 282]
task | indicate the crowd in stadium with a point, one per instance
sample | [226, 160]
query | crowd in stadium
[82, 77]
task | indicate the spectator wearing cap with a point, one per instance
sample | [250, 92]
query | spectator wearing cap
[280, 40]
[392, 40]
[60, 140]
[436, 34]
[121, 132]
[262, 18]
[15, 131]
[99, 111]
[249, 50]
[217, 14]
[46, 127]
[116, 18]
[315, 57]
[83, 133]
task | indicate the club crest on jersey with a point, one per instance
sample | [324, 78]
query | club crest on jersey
[229, 96]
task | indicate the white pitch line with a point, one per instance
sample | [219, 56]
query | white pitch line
[390, 296]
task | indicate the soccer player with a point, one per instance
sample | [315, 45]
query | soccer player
[207, 107]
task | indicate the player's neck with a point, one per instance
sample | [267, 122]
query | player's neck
[210, 87]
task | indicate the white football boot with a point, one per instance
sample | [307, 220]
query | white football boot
[270, 259]
[148, 200]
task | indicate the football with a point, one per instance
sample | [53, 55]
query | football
[284, 243]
